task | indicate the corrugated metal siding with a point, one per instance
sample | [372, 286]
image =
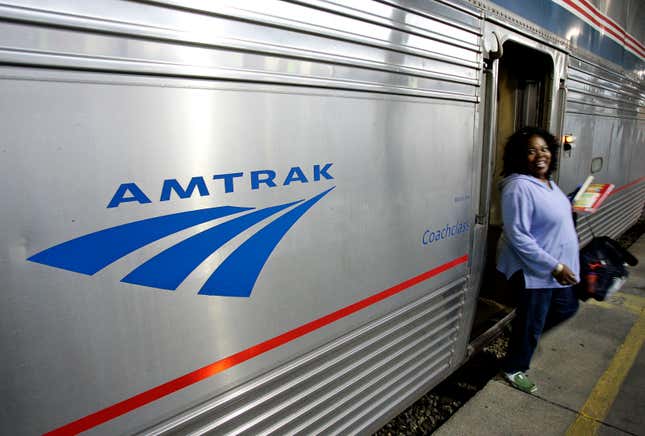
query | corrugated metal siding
[417, 48]
[618, 213]
[605, 110]
[422, 49]
[426, 49]
[599, 92]
[346, 386]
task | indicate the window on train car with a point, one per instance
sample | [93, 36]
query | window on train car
[596, 164]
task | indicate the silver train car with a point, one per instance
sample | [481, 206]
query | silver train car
[273, 217]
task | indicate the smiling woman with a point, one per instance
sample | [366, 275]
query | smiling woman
[539, 248]
[539, 157]
[531, 151]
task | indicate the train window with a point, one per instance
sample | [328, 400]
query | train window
[596, 164]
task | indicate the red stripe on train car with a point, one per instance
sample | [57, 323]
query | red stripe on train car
[613, 23]
[97, 418]
[629, 185]
[609, 30]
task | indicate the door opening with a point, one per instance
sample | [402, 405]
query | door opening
[525, 83]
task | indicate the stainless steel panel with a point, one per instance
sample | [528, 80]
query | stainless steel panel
[97, 94]
[635, 143]
[94, 341]
[341, 379]
[618, 214]
[597, 108]
[434, 20]
[460, 13]
[520, 25]
[604, 82]
[588, 94]
[336, 25]
[617, 10]
[587, 65]
[605, 111]
[595, 90]
[482, 188]
[64, 48]
[635, 17]
[81, 135]
[156, 39]
[596, 136]
[337, 16]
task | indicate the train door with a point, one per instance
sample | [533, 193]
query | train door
[521, 89]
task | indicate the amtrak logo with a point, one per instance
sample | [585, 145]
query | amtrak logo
[234, 277]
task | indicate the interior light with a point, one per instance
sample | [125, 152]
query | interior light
[569, 142]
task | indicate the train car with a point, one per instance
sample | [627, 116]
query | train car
[274, 217]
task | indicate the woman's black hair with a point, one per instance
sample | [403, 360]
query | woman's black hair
[516, 151]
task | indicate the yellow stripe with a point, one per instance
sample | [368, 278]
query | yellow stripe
[604, 393]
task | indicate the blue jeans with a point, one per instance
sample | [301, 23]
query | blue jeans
[537, 311]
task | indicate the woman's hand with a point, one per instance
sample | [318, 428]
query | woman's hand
[565, 276]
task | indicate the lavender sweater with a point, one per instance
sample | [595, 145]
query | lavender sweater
[538, 231]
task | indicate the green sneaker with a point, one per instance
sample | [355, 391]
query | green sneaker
[520, 381]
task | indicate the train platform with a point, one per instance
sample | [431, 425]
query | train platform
[590, 374]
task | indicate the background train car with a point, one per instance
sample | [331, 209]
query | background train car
[273, 216]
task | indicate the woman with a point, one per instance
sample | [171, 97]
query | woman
[538, 249]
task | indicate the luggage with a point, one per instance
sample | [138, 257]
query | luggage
[602, 268]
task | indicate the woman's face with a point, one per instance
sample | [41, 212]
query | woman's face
[539, 157]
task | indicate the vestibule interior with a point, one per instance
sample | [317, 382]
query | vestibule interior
[525, 84]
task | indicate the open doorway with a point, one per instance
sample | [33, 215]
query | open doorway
[525, 84]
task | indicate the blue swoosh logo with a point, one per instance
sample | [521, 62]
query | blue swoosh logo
[235, 277]
[93, 252]
[169, 268]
